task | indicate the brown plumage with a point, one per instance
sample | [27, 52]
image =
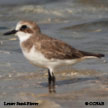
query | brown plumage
[51, 47]
[33, 27]
[55, 49]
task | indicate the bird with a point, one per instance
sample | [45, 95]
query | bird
[45, 51]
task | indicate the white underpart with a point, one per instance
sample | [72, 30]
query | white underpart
[37, 58]
[89, 57]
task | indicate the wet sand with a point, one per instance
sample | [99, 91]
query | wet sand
[72, 89]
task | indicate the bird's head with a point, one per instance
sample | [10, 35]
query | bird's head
[24, 29]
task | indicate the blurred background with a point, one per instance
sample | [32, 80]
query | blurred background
[82, 24]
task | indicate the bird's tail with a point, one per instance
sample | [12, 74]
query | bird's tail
[93, 54]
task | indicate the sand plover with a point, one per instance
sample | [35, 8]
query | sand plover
[47, 52]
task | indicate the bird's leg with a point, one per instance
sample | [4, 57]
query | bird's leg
[51, 81]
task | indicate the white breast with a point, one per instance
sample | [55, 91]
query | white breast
[35, 57]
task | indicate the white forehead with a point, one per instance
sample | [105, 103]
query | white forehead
[19, 24]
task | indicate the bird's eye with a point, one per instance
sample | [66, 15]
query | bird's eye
[23, 27]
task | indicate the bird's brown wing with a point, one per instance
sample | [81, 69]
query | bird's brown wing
[56, 49]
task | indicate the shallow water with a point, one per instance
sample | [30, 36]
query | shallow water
[82, 25]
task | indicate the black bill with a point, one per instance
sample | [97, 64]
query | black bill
[10, 32]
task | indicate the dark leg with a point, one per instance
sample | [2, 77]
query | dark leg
[51, 81]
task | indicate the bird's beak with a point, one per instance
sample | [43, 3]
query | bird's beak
[10, 32]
